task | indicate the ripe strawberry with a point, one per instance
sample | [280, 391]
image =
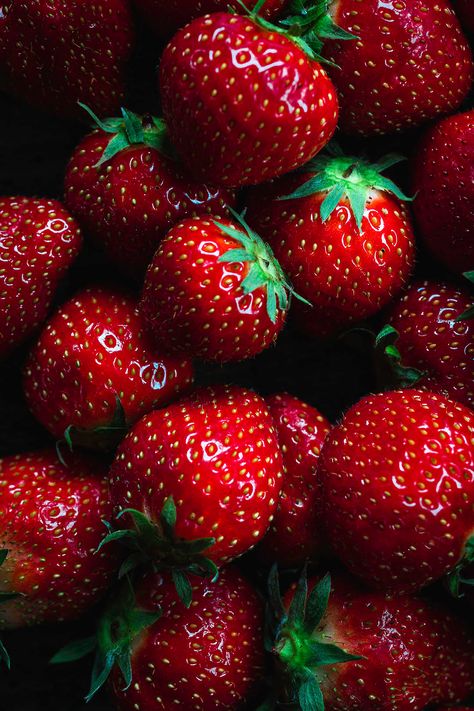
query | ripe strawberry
[465, 11]
[397, 482]
[51, 524]
[410, 63]
[56, 53]
[293, 536]
[92, 363]
[341, 233]
[39, 240]
[259, 102]
[349, 649]
[127, 192]
[443, 178]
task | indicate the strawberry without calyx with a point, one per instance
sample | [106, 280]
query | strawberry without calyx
[127, 192]
[93, 371]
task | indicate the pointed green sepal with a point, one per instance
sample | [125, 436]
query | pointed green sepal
[385, 341]
[469, 313]
[455, 580]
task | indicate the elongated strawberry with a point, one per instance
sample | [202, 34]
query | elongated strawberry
[39, 240]
[93, 371]
[56, 53]
[397, 481]
[127, 192]
[51, 523]
[341, 233]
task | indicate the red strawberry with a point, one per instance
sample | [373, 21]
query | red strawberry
[39, 240]
[51, 523]
[465, 12]
[410, 63]
[56, 53]
[444, 180]
[400, 653]
[127, 192]
[397, 484]
[342, 236]
[293, 536]
[433, 341]
[214, 290]
[259, 103]
[93, 362]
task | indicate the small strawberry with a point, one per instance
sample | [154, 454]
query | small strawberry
[397, 484]
[443, 177]
[465, 11]
[56, 53]
[293, 536]
[127, 192]
[39, 240]
[215, 291]
[341, 233]
[51, 523]
[93, 369]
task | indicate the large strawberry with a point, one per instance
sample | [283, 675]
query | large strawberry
[443, 178]
[410, 63]
[51, 523]
[39, 240]
[258, 100]
[397, 483]
[127, 192]
[56, 53]
[94, 371]
[341, 233]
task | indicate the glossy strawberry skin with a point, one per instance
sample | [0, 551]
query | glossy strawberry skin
[93, 350]
[345, 275]
[397, 482]
[51, 522]
[129, 203]
[431, 340]
[410, 63]
[39, 240]
[209, 656]
[217, 454]
[443, 179]
[293, 536]
[224, 77]
[54, 54]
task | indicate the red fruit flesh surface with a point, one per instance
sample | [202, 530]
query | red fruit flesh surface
[410, 63]
[217, 454]
[93, 350]
[51, 522]
[433, 341]
[443, 178]
[55, 53]
[39, 240]
[397, 484]
[129, 203]
[261, 107]
[209, 656]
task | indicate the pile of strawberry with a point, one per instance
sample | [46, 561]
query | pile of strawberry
[307, 189]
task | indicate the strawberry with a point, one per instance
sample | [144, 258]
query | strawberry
[432, 339]
[258, 100]
[344, 648]
[293, 536]
[465, 11]
[443, 177]
[93, 370]
[39, 240]
[56, 53]
[51, 524]
[341, 233]
[215, 291]
[397, 483]
[127, 192]
[409, 64]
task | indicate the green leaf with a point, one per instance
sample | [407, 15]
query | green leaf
[274, 594]
[133, 127]
[296, 612]
[255, 279]
[469, 313]
[387, 332]
[133, 561]
[310, 696]
[168, 512]
[237, 255]
[317, 603]
[75, 650]
[4, 656]
[314, 185]
[358, 199]
[198, 545]
[328, 29]
[115, 536]
[116, 144]
[326, 654]
[183, 587]
[331, 201]
[387, 162]
[140, 620]
[389, 186]
[100, 673]
[109, 126]
[3, 555]
[271, 303]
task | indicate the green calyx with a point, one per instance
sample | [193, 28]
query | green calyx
[264, 272]
[347, 177]
[157, 544]
[456, 579]
[385, 341]
[130, 130]
[469, 313]
[5, 597]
